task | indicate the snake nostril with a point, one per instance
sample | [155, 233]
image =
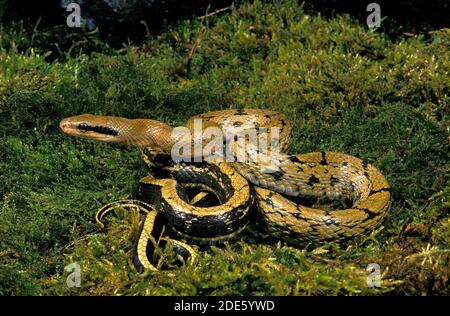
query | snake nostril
[63, 124]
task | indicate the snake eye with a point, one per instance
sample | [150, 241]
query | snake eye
[83, 127]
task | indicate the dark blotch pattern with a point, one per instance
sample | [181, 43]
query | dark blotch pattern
[313, 180]
[324, 159]
[277, 175]
[294, 159]
[369, 213]
[365, 164]
[380, 190]
[334, 181]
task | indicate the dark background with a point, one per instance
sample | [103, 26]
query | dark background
[118, 22]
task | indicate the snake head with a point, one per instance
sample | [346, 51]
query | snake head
[102, 128]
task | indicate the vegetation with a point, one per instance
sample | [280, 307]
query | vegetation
[345, 87]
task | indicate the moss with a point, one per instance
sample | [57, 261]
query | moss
[344, 87]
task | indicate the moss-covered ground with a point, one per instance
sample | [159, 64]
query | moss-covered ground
[345, 88]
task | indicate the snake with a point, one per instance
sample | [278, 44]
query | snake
[302, 198]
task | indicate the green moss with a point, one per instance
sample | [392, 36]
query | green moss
[344, 88]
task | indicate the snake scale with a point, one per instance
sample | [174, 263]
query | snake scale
[296, 195]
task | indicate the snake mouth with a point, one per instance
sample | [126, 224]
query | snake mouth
[64, 124]
[68, 127]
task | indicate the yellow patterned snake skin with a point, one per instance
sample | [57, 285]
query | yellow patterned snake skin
[296, 199]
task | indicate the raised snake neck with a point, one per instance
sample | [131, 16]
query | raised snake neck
[120, 130]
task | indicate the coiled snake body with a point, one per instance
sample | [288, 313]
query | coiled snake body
[287, 189]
